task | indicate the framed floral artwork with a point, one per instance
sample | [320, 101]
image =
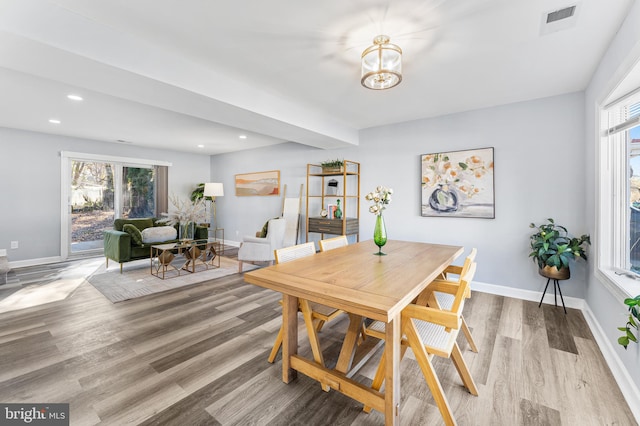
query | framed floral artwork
[458, 184]
[259, 183]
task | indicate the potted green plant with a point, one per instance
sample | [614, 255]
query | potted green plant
[332, 166]
[198, 193]
[552, 248]
[632, 322]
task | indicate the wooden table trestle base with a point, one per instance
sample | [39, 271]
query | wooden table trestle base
[352, 279]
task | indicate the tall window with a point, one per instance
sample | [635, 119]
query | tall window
[633, 140]
[619, 191]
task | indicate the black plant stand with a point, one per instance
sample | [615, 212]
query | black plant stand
[556, 284]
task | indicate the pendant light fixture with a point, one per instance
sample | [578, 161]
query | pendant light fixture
[381, 64]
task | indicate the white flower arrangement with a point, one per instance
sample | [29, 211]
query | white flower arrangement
[381, 197]
[438, 169]
[184, 211]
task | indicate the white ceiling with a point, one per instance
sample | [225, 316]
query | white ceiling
[178, 73]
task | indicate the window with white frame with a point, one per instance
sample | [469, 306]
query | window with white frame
[632, 137]
[619, 193]
[96, 189]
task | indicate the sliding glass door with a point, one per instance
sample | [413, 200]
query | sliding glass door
[138, 192]
[92, 204]
[99, 192]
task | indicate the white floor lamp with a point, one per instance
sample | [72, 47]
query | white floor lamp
[213, 190]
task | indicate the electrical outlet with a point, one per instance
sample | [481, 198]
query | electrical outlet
[14, 244]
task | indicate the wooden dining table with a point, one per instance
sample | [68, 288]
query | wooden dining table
[364, 285]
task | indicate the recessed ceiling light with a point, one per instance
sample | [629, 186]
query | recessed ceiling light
[54, 121]
[200, 146]
[74, 97]
[242, 136]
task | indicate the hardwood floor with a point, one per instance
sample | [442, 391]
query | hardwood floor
[198, 356]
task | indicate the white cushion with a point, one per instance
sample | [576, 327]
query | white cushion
[432, 335]
[159, 234]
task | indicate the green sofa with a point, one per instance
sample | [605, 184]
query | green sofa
[120, 243]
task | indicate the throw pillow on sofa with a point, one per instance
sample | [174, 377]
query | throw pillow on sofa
[159, 234]
[135, 233]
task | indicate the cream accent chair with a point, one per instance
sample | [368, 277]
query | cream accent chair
[256, 249]
[283, 234]
[431, 331]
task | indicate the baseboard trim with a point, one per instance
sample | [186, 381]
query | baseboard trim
[534, 296]
[34, 262]
[620, 374]
[627, 386]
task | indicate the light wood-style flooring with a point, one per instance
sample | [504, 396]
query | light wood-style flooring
[198, 356]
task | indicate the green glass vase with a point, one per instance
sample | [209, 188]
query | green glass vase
[380, 235]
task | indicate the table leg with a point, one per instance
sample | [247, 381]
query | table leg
[392, 373]
[290, 335]
[311, 332]
[349, 344]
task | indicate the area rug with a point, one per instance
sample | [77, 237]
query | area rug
[137, 281]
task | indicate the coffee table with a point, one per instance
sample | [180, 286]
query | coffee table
[170, 259]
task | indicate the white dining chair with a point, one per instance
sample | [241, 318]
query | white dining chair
[429, 332]
[333, 243]
[315, 314]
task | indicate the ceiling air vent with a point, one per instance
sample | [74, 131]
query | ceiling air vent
[560, 19]
[565, 13]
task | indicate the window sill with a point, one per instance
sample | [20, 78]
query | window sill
[620, 286]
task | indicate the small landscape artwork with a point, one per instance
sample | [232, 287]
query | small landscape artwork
[259, 183]
[458, 184]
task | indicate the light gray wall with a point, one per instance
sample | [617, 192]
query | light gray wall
[30, 172]
[245, 215]
[539, 173]
[621, 55]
